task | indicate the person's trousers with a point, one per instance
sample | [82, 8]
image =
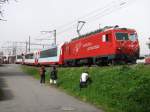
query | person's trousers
[83, 84]
[42, 79]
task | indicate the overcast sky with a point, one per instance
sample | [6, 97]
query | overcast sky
[29, 17]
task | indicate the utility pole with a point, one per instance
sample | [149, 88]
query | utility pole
[29, 43]
[26, 46]
[80, 27]
[149, 43]
[99, 26]
[55, 37]
[14, 48]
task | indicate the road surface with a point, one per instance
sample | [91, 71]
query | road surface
[23, 93]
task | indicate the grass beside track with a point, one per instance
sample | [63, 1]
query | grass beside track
[114, 89]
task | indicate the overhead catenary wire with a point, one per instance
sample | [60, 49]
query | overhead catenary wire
[92, 16]
[115, 7]
[95, 15]
[79, 18]
[68, 26]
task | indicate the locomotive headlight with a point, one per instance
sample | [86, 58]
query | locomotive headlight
[119, 48]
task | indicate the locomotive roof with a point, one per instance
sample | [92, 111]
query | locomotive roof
[100, 30]
[87, 34]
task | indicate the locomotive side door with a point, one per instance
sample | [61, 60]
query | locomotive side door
[107, 42]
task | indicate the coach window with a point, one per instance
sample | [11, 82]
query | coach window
[105, 38]
[49, 53]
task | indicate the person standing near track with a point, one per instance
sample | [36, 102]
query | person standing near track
[53, 76]
[42, 74]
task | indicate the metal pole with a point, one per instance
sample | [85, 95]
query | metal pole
[99, 26]
[29, 43]
[55, 37]
[26, 46]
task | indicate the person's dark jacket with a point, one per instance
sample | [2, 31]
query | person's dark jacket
[53, 74]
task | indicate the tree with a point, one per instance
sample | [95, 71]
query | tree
[2, 2]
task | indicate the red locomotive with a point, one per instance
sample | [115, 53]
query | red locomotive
[107, 45]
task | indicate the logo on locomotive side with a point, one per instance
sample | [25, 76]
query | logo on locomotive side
[93, 47]
[87, 44]
[77, 47]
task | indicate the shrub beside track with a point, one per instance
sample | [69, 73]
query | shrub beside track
[114, 89]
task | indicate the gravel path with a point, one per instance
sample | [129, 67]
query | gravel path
[22, 93]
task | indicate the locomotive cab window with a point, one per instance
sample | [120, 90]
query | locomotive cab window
[122, 36]
[133, 37]
[105, 38]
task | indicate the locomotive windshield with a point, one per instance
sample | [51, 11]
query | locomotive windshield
[122, 36]
[133, 37]
[126, 36]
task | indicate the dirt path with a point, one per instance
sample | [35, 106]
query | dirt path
[22, 93]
